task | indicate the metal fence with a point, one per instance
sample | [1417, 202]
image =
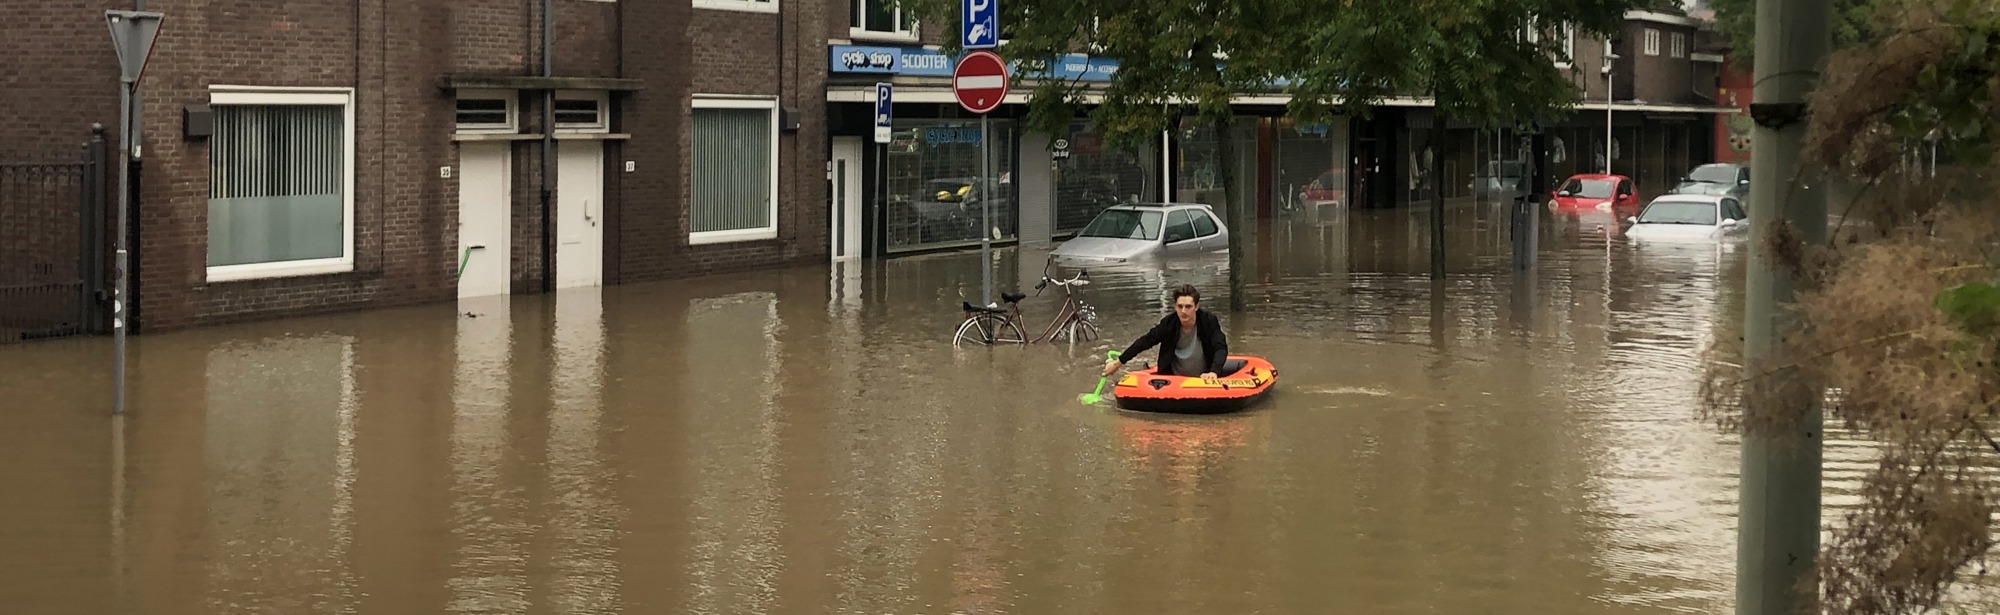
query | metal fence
[52, 247]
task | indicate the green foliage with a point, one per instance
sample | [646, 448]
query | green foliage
[1973, 307]
[1952, 97]
[1852, 23]
[1187, 57]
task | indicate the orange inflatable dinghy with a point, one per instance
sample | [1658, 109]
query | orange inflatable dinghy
[1246, 379]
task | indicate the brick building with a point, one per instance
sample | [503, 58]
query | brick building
[323, 155]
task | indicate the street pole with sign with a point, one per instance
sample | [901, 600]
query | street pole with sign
[132, 36]
[975, 81]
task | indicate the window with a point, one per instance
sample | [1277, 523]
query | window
[1204, 225]
[1680, 48]
[881, 19]
[1179, 226]
[581, 112]
[1733, 210]
[1652, 42]
[733, 171]
[281, 182]
[754, 6]
[487, 111]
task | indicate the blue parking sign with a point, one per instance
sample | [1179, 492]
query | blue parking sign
[883, 111]
[979, 24]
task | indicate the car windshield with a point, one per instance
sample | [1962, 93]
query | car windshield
[1714, 174]
[1679, 212]
[1589, 188]
[1124, 224]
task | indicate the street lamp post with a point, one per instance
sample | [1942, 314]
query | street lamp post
[1609, 94]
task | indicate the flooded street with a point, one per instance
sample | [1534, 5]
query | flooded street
[810, 441]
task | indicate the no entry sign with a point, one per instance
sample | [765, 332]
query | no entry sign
[980, 81]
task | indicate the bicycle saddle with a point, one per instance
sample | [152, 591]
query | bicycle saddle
[969, 307]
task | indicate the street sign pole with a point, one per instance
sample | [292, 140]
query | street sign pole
[986, 193]
[979, 29]
[980, 84]
[132, 36]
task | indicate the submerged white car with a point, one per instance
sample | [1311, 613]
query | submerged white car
[1690, 217]
[1137, 231]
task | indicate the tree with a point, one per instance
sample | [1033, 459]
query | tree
[1900, 308]
[1182, 58]
[1737, 19]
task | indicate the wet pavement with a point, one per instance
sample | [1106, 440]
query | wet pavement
[809, 441]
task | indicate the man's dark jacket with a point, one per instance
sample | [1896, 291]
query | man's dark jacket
[1167, 335]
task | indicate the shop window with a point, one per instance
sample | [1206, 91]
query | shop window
[281, 178]
[880, 19]
[1096, 176]
[1311, 165]
[733, 171]
[754, 6]
[937, 197]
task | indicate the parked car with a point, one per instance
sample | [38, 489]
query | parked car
[1721, 178]
[1690, 217]
[1588, 192]
[1139, 231]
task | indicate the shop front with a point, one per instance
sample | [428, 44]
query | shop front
[935, 195]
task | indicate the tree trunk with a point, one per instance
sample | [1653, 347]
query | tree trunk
[1437, 190]
[1232, 207]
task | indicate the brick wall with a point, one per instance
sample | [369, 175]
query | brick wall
[61, 75]
[722, 52]
[404, 213]
[391, 53]
[1661, 78]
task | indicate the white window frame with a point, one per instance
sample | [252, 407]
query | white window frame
[1652, 42]
[1568, 45]
[253, 96]
[747, 6]
[512, 99]
[906, 26]
[603, 123]
[768, 105]
[1679, 47]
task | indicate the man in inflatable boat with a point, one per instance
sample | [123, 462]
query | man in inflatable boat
[1190, 340]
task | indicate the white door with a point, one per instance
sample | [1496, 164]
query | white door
[485, 216]
[579, 213]
[845, 234]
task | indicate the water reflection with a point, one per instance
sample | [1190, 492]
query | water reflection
[809, 441]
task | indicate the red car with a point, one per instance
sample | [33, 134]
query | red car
[1595, 192]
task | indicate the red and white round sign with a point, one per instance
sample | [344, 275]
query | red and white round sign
[980, 81]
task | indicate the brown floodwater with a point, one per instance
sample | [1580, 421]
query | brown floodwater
[809, 441]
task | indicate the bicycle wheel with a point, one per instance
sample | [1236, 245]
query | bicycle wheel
[988, 329]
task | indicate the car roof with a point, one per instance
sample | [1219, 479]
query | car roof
[1597, 176]
[1711, 199]
[1163, 206]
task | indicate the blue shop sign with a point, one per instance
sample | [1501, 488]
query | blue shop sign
[921, 62]
[944, 135]
[876, 60]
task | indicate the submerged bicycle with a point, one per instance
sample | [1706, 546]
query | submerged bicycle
[1075, 321]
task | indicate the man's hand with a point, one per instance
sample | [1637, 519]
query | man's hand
[1208, 376]
[1112, 366]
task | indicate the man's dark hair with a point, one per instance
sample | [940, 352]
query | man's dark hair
[1186, 290]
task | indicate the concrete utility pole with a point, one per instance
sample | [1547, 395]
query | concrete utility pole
[1779, 501]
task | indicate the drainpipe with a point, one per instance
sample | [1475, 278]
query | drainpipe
[548, 146]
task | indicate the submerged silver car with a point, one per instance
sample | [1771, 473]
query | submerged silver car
[1140, 231]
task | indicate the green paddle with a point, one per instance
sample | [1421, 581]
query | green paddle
[1092, 398]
